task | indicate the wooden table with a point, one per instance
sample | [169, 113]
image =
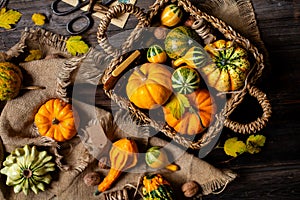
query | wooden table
[275, 172]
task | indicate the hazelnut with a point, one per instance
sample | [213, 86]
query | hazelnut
[160, 32]
[190, 189]
[189, 22]
[92, 179]
[104, 163]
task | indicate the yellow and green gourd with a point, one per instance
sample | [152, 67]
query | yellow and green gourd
[156, 187]
[157, 158]
[185, 80]
[10, 81]
[179, 40]
[171, 15]
[230, 66]
[156, 54]
[28, 169]
[195, 57]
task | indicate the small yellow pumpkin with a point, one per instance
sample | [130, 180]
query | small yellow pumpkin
[149, 86]
[56, 119]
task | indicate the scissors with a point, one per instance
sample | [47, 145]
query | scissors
[86, 16]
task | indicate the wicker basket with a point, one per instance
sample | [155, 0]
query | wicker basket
[222, 117]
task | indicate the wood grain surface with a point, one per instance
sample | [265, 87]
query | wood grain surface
[275, 172]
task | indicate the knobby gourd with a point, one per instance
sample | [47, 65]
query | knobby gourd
[123, 156]
[156, 187]
[10, 81]
[230, 66]
[149, 86]
[57, 119]
[28, 169]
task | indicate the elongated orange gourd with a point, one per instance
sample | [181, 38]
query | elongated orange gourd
[123, 156]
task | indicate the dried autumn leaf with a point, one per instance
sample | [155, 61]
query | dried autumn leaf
[234, 147]
[178, 104]
[38, 19]
[35, 54]
[8, 18]
[76, 45]
[254, 142]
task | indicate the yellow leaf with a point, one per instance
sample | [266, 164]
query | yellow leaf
[234, 147]
[8, 18]
[38, 19]
[76, 45]
[254, 142]
[34, 55]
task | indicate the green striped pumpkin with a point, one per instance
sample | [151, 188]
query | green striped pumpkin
[155, 187]
[171, 15]
[10, 81]
[185, 80]
[195, 57]
[179, 40]
[156, 54]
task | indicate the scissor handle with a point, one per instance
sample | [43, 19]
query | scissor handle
[86, 16]
[54, 7]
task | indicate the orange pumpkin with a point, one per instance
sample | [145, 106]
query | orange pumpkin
[196, 116]
[56, 119]
[149, 86]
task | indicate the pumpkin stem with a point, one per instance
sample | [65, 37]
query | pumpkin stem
[33, 87]
[55, 121]
[178, 62]
[27, 173]
[140, 73]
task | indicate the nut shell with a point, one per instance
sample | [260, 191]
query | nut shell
[190, 189]
[92, 179]
[104, 163]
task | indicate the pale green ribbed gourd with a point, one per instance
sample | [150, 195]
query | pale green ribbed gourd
[28, 169]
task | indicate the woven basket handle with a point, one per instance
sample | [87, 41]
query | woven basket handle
[114, 12]
[260, 122]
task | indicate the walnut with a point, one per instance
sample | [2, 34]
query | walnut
[104, 162]
[92, 179]
[190, 189]
[160, 32]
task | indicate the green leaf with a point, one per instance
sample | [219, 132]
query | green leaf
[178, 105]
[254, 142]
[8, 18]
[234, 147]
[76, 45]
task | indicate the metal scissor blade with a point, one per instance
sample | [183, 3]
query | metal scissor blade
[106, 2]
